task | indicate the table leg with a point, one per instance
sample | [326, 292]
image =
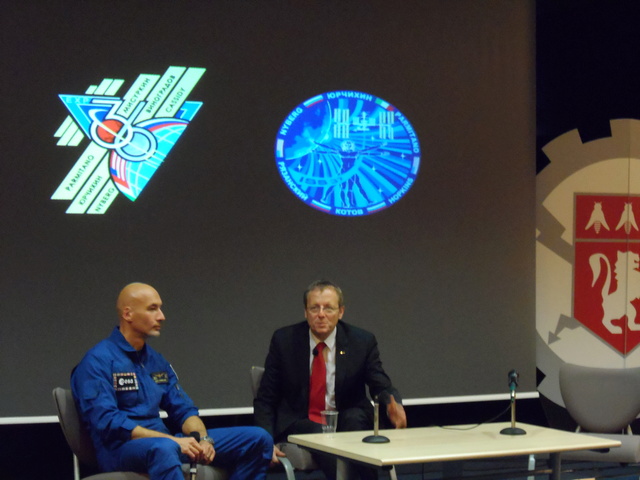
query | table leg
[556, 467]
[343, 469]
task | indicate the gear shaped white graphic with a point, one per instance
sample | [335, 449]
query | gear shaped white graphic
[609, 166]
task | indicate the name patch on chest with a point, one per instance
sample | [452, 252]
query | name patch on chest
[124, 382]
[160, 377]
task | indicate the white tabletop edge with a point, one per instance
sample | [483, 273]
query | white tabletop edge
[429, 444]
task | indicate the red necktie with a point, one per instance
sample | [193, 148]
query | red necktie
[317, 385]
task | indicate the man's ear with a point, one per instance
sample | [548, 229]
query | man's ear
[126, 314]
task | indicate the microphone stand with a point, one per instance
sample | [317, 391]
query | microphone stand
[375, 438]
[513, 430]
[193, 468]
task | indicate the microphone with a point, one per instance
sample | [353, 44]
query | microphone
[193, 469]
[513, 379]
[315, 352]
[513, 383]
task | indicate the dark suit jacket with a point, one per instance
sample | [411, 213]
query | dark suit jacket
[283, 396]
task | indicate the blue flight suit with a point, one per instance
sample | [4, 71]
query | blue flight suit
[118, 388]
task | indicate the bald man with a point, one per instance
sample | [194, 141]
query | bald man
[121, 385]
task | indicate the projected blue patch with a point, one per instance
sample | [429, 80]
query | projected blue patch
[347, 153]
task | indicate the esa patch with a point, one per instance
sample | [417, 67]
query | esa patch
[124, 382]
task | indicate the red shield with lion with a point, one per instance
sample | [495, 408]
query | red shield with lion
[606, 289]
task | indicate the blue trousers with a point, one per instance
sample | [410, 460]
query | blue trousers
[243, 451]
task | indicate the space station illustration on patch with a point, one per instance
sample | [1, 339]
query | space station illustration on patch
[347, 153]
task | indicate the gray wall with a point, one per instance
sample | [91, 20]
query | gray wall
[445, 277]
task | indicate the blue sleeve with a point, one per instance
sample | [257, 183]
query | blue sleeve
[96, 400]
[176, 402]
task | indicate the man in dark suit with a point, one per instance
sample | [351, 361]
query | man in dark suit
[352, 362]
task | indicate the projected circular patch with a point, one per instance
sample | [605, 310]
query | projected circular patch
[347, 153]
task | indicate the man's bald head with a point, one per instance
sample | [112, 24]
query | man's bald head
[140, 311]
[131, 294]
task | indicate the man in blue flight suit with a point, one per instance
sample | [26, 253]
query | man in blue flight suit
[122, 383]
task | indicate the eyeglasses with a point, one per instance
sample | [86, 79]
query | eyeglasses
[317, 309]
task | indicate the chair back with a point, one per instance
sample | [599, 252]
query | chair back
[296, 457]
[77, 436]
[601, 400]
[256, 378]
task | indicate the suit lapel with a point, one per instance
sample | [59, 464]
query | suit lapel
[342, 349]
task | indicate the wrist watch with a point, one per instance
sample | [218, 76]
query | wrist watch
[207, 438]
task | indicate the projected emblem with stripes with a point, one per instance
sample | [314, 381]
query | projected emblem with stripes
[130, 136]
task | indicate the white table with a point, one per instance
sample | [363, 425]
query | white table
[445, 444]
